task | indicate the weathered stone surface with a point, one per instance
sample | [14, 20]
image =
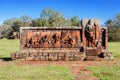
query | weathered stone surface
[43, 43]
[52, 56]
[29, 58]
[42, 58]
[45, 54]
[61, 56]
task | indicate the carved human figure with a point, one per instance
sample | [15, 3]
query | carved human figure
[90, 33]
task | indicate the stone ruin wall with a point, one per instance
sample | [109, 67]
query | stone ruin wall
[42, 43]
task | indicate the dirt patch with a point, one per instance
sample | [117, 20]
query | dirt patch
[68, 63]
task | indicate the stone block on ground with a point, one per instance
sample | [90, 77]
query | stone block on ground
[61, 56]
[42, 58]
[29, 58]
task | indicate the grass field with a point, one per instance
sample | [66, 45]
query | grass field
[108, 72]
[114, 47]
[8, 46]
[12, 72]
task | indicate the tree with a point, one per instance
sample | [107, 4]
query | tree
[26, 20]
[34, 22]
[67, 22]
[75, 21]
[9, 22]
[52, 18]
[44, 22]
[117, 20]
[114, 28]
[39, 22]
[17, 24]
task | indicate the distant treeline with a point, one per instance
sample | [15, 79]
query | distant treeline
[114, 28]
[48, 18]
[53, 18]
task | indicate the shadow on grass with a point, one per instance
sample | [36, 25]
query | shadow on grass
[6, 59]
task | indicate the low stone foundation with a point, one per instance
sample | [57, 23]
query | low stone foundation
[48, 56]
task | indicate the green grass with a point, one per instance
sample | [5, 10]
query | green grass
[114, 47]
[106, 72]
[8, 46]
[12, 72]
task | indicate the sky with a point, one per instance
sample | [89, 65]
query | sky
[102, 9]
